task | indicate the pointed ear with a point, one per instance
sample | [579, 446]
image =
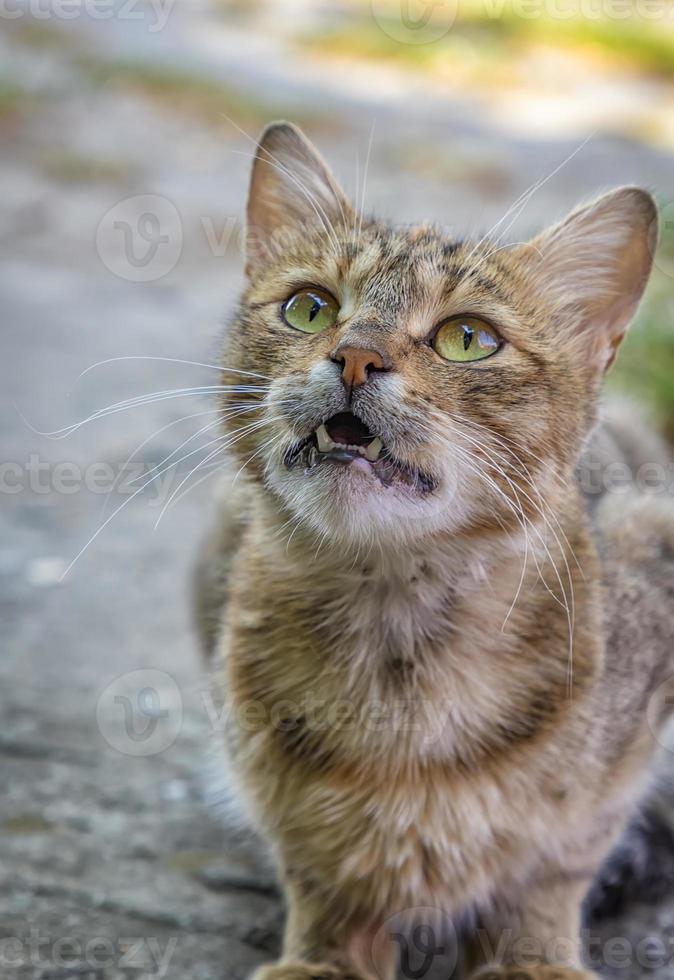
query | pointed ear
[594, 267]
[291, 190]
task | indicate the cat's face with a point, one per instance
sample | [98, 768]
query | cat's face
[412, 385]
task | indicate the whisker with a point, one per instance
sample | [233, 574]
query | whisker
[173, 360]
[184, 418]
[138, 401]
[271, 160]
[230, 440]
[144, 485]
[223, 416]
[365, 175]
[523, 199]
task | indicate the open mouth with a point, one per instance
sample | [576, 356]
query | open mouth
[345, 440]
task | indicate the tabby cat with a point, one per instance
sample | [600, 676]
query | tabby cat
[444, 667]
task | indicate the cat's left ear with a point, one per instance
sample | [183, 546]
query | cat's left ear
[594, 267]
[292, 191]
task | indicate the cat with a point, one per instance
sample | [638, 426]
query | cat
[445, 669]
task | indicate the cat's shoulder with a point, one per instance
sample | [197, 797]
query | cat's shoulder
[221, 543]
[627, 477]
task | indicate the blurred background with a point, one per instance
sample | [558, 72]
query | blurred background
[126, 129]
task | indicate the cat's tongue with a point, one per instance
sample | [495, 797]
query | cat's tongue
[345, 428]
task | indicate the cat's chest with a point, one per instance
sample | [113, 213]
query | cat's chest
[392, 619]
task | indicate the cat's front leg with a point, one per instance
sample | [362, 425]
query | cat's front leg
[323, 940]
[537, 936]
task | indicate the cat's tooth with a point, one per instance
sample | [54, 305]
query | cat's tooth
[325, 443]
[373, 450]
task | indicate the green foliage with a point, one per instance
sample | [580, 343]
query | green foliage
[495, 32]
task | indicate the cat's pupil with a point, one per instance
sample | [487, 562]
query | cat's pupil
[315, 309]
[467, 337]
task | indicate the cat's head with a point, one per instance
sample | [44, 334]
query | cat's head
[410, 384]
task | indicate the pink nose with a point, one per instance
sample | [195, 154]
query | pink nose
[357, 363]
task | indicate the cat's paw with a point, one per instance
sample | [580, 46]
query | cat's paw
[543, 971]
[305, 971]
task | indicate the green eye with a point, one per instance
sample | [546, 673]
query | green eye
[466, 339]
[310, 310]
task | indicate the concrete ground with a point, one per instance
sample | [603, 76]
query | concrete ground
[115, 862]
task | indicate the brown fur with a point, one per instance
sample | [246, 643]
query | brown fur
[435, 699]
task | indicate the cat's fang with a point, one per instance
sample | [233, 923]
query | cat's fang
[325, 443]
[374, 449]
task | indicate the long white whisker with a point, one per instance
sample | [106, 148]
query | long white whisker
[526, 196]
[173, 360]
[230, 440]
[138, 401]
[184, 418]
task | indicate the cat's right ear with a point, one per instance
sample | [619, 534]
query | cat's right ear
[291, 190]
